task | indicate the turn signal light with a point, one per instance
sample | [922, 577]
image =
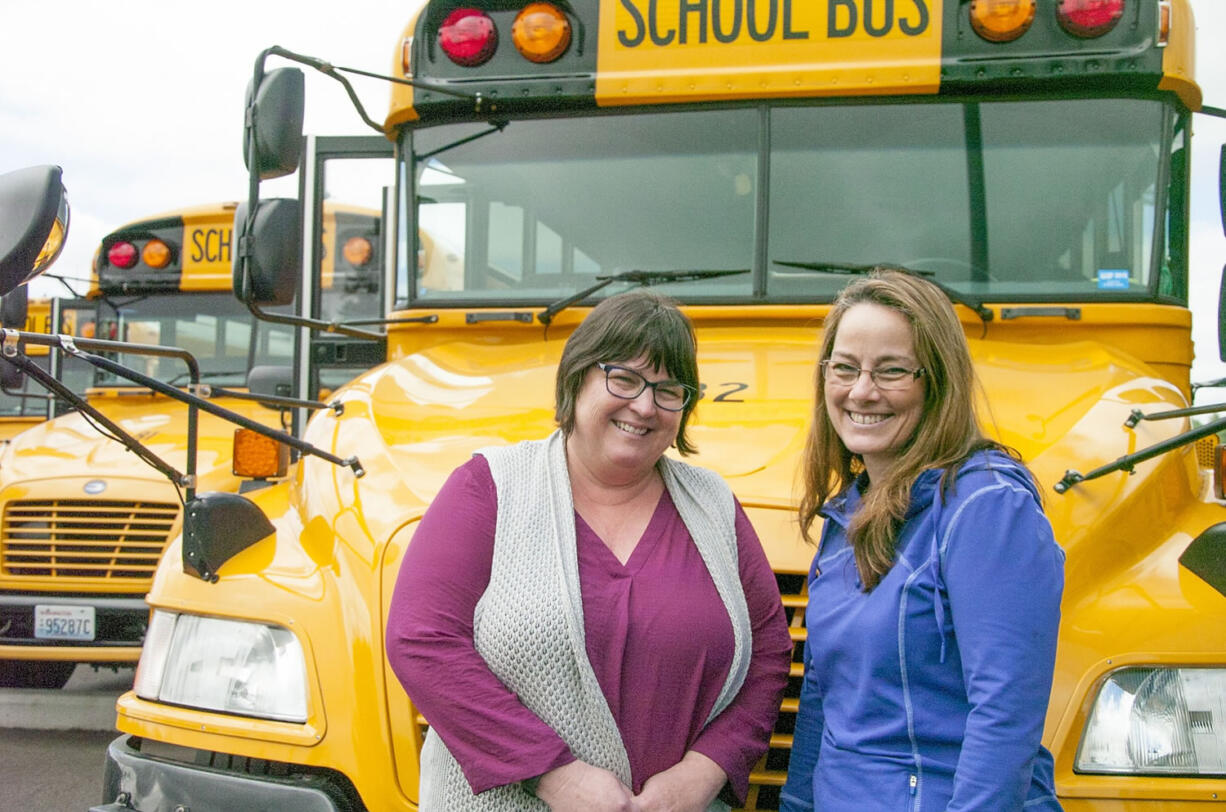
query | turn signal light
[541, 32]
[122, 255]
[258, 457]
[357, 251]
[1001, 20]
[156, 254]
[1089, 18]
[468, 37]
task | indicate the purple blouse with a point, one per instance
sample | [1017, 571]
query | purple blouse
[657, 635]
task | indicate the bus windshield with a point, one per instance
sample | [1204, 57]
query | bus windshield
[1010, 200]
[214, 327]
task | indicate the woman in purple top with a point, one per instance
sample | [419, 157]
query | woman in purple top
[586, 623]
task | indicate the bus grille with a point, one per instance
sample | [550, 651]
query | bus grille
[767, 778]
[82, 538]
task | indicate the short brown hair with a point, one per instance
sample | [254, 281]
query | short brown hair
[637, 323]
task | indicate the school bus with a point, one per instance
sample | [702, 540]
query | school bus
[82, 521]
[1031, 157]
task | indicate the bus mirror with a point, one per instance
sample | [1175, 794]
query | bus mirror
[1221, 186]
[1221, 316]
[14, 307]
[34, 225]
[218, 526]
[276, 115]
[271, 379]
[11, 378]
[274, 260]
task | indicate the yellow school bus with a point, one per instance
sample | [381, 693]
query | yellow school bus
[1030, 156]
[82, 521]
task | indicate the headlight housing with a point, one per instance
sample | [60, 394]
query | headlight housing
[218, 664]
[1157, 721]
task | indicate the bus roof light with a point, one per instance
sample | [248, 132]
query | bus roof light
[156, 254]
[122, 255]
[541, 32]
[357, 251]
[1089, 18]
[468, 37]
[1001, 20]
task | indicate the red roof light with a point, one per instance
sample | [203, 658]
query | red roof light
[468, 37]
[122, 255]
[1089, 18]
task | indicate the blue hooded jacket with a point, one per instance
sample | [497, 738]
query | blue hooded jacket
[929, 692]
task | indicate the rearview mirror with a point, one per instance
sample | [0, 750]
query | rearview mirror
[276, 115]
[34, 225]
[270, 274]
[14, 307]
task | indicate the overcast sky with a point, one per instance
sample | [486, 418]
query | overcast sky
[140, 101]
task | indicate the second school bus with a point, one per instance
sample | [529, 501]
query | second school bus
[83, 522]
[1032, 157]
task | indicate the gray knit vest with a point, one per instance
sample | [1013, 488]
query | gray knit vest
[528, 624]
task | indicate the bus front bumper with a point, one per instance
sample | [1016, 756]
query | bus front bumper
[136, 782]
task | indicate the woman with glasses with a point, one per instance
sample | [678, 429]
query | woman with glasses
[586, 623]
[934, 596]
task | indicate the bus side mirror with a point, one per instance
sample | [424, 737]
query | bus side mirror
[274, 253]
[1221, 186]
[276, 117]
[14, 307]
[34, 225]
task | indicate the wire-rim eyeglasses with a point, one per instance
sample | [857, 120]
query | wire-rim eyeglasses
[887, 378]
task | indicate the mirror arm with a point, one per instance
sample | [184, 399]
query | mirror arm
[1129, 461]
[314, 324]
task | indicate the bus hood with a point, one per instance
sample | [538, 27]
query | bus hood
[70, 446]
[1061, 406]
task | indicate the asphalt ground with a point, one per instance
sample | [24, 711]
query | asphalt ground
[53, 743]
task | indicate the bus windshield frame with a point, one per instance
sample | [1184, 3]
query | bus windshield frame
[214, 327]
[1004, 199]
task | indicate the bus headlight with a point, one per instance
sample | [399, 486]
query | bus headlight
[1157, 721]
[230, 666]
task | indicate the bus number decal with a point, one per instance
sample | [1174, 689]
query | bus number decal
[729, 388]
[210, 245]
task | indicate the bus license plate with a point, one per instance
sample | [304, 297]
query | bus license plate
[64, 622]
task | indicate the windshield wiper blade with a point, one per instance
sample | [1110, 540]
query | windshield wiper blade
[639, 277]
[851, 269]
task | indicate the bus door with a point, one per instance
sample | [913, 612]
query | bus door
[347, 254]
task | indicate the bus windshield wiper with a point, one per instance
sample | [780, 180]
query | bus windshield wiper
[984, 313]
[638, 277]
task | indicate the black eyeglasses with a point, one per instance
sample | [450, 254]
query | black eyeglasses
[885, 378]
[671, 396]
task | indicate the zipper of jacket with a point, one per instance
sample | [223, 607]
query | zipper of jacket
[914, 783]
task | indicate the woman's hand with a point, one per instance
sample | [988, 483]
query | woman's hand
[580, 787]
[688, 786]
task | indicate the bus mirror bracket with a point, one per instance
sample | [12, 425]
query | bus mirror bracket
[217, 527]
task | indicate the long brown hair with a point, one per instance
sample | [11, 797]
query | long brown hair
[947, 433]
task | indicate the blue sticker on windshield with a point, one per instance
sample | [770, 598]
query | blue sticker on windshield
[1113, 279]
